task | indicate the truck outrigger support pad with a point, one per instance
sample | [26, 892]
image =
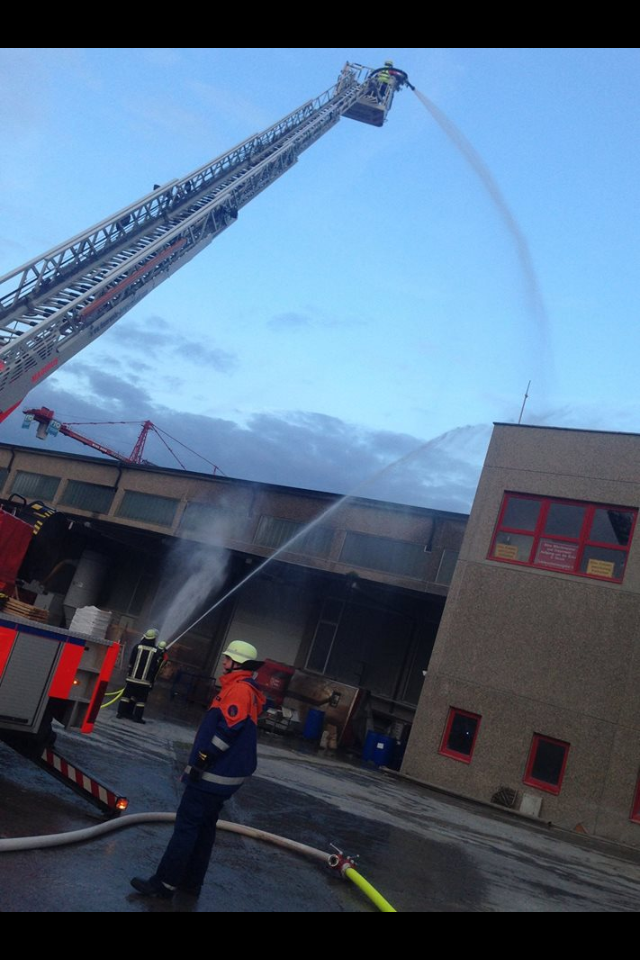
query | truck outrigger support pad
[82, 783]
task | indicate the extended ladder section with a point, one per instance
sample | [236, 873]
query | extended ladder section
[54, 306]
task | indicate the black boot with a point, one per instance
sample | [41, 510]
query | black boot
[152, 888]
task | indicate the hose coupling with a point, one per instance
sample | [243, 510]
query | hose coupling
[341, 861]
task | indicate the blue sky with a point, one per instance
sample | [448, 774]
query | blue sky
[372, 303]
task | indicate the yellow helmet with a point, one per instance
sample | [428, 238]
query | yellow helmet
[151, 634]
[240, 652]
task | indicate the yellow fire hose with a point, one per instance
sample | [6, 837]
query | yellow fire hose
[116, 694]
[338, 861]
[383, 905]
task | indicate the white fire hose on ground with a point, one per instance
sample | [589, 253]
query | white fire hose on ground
[336, 861]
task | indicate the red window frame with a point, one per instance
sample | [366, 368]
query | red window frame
[447, 751]
[578, 544]
[635, 809]
[532, 781]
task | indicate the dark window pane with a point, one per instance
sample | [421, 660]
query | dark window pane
[612, 526]
[462, 733]
[513, 546]
[88, 496]
[148, 508]
[547, 765]
[564, 520]
[382, 553]
[35, 486]
[199, 517]
[275, 532]
[600, 562]
[315, 543]
[521, 514]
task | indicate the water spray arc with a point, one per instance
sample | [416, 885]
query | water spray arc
[534, 296]
[285, 547]
[480, 168]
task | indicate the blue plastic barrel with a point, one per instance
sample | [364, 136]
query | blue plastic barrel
[313, 725]
[378, 748]
[383, 750]
[369, 746]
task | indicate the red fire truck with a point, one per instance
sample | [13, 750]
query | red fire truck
[47, 673]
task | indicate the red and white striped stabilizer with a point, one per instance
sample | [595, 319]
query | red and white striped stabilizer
[83, 783]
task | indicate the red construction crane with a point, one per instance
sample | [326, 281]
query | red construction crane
[49, 426]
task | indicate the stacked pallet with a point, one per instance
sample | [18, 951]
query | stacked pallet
[25, 610]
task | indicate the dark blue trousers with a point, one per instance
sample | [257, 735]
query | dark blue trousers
[186, 859]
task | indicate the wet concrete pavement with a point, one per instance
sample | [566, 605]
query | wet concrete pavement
[422, 850]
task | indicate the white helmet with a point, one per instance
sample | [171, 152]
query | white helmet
[240, 652]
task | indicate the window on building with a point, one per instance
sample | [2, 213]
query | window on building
[275, 532]
[87, 496]
[35, 486]
[547, 763]
[460, 735]
[148, 508]
[583, 539]
[199, 517]
[381, 553]
[4, 473]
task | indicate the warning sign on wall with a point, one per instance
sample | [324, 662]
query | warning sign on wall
[601, 568]
[507, 551]
[560, 556]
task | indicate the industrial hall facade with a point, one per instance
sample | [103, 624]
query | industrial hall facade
[353, 594]
[531, 696]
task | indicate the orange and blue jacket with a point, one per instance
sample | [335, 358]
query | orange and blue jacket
[228, 736]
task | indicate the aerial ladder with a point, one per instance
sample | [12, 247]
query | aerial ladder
[54, 306]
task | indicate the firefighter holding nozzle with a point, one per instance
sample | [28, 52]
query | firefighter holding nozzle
[145, 662]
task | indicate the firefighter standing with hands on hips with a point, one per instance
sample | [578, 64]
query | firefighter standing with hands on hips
[223, 756]
[144, 665]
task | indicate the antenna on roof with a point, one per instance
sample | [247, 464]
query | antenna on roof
[526, 397]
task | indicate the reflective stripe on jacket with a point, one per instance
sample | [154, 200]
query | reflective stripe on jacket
[144, 663]
[228, 735]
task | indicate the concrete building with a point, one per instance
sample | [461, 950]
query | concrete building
[531, 696]
[354, 589]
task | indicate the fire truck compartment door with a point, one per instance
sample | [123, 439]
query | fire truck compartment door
[25, 682]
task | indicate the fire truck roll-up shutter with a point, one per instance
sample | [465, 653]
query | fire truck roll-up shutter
[25, 680]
